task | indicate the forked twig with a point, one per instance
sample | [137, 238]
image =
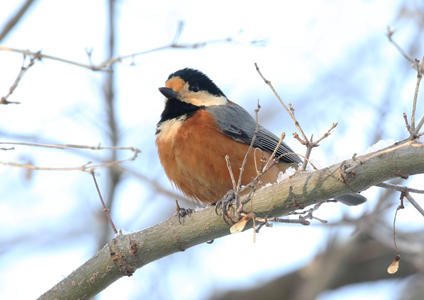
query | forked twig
[304, 140]
[399, 188]
[85, 167]
[103, 66]
[24, 68]
[291, 111]
[416, 64]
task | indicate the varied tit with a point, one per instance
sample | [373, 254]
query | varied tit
[199, 127]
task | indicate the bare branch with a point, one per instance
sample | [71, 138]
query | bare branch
[40, 56]
[71, 146]
[230, 170]
[414, 203]
[305, 141]
[325, 135]
[103, 65]
[250, 147]
[414, 103]
[105, 209]
[420, 124]
[24, 68]
[15, 18]
[237, 188]
[416, 64]
[390, 33]
[291, 111]
[399, 188]
[85, 168]
[289, 221]
[126, 253]
[408, 127]
[178, 33]
[272, 158]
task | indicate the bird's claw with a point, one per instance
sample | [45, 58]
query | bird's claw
[182, 212]
[226, 204]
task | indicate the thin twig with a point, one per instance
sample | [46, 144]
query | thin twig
[230, 170]
[399, 188]
[405, 192]
[408, 127]
[394, 266]
[417, 129]
[272, 158]
[414, 131]
[24, 68]
[105, 209]
[103, 65]
[325, 135]
[414, 203]
[71, 146]
[291, 111]
[250, 147]
[414, 103]
[305, 141]
[401, 206]
[151, 181]
[85, 168]
[237, 188]
[40, 56]
[274, 161]
[291, 221]
[390, 33]
[308, 214]
[178, 33]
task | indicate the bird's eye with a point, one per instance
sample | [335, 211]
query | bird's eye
[194, 88]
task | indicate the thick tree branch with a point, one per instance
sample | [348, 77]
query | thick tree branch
[126, 253]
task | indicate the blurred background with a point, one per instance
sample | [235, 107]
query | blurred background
[330, 59]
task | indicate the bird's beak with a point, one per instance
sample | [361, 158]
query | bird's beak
[168, 93]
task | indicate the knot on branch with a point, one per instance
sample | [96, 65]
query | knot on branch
[134, 247]
[120, 259]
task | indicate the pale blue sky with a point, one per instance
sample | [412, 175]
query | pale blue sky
[306, 41]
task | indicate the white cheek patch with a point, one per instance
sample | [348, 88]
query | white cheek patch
[201, 98]
[204, 99]
[168, 129]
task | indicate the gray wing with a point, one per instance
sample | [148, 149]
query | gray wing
[236, 122]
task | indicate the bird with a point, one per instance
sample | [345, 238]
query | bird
[199, 126]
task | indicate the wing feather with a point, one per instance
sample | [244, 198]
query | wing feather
[236, 122]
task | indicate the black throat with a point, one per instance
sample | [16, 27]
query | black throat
[176, 109]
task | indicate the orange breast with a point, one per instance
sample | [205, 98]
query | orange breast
[194, 160]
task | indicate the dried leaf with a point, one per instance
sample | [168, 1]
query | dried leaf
[239, 226]
[394, 267]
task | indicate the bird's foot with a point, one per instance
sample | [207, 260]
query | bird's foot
[228, 207]
[182, 212]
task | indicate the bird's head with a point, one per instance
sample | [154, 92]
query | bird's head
[192, 87]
